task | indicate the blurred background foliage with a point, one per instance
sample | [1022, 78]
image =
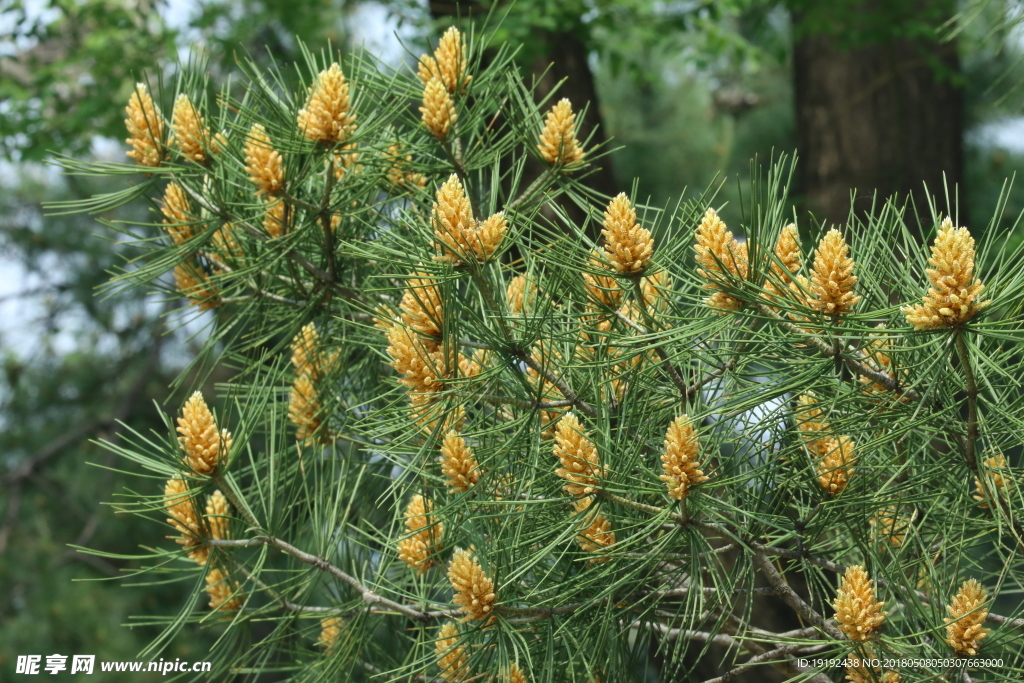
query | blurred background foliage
[686, 92]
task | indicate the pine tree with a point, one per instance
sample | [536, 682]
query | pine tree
[438, 460]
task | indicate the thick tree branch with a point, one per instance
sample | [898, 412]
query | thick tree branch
[772, 657]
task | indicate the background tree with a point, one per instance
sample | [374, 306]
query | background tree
[879, 103]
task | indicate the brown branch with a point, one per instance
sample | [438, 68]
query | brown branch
[670, 369]
[790, 597]
[376, 602]
[520, 402]
[558, 382]
[301, 203]
[761, 656]
[769, 656]
[688, 634]
[883, 379]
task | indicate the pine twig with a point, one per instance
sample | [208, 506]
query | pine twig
[521, 402]
[970, 444]
[557, 381]
[673, 373]
[374, 600]
[831, 351]
[790, 597]
[769, 656]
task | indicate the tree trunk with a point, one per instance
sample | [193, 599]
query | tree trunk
[882, 117]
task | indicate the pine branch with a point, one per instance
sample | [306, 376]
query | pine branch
[536, 186]
[790, 597]
[557, 381]
[830, 351]
[770, 656]
[375, 602]
[520, 402]
[670, 369]
[970, 445]
[323, 277]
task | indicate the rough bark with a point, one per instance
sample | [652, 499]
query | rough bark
[883, 116]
